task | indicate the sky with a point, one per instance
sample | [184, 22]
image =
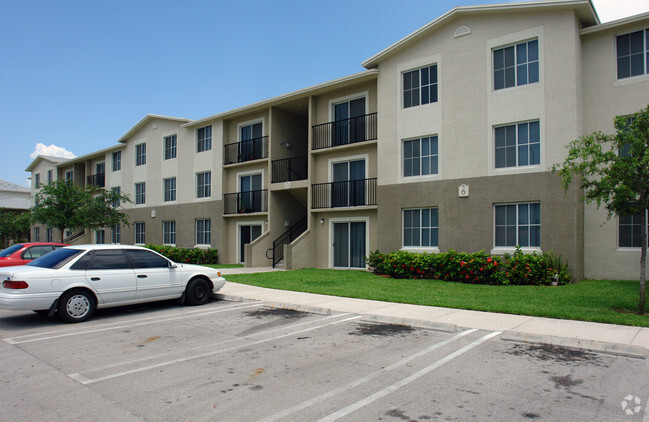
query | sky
[76, 75]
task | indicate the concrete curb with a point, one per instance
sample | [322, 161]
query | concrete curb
[627, 350]
[299, 308]
[229, 298]
[416, 323]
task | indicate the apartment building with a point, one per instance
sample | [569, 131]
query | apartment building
[446, 141]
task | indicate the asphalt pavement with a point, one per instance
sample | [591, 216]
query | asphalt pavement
[608, 338]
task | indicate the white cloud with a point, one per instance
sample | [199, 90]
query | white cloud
[609, 10]
[51, 150]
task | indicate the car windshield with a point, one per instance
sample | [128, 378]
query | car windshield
[11, 249]
[56, 259]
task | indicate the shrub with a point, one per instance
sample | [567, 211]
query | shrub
[476, 268]
[187, 255]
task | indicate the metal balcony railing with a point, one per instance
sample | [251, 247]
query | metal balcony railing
[287, 237]
[351, 193]
[290, 169]
[344, 132]
[98, 179]
[242, 151]
[246, 202]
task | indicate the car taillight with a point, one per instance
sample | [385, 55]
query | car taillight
[13, 284]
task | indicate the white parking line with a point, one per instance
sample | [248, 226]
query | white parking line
[29, 338]
[322, 397]
[85, 380]
[391, 388]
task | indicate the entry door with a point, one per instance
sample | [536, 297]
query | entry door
[250, 142]
[250, 194]
[349, 244]
[348, 188]
[247, 234]
[349, 124]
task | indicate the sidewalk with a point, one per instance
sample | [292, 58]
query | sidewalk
[616, 339]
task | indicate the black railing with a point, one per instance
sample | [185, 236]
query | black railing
[343, 132]
[287, 237]
[74, 237]
[290, 169]
[351, 193]
[246, 202]
[98, 179]
[242, 151]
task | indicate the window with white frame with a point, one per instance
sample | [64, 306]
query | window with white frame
[632, 54]
[37, 234]
[50, 177]
[37, 180]
[203, 231]
[117, 160]
[204, 184]
[629, 231]
[140, 193]
[49, 234]
[140, 154]
[420, 86]
[170, 147]
[421, 227]
[115, 235]
[204, 139]
[139, 233]
[516, 65]
[420, 156]
[169, 186]
[169, 232]
[116, 191]
[518, 145]
[517, 225]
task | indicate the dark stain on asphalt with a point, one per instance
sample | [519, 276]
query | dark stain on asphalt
[378, 329]
[547, 352]
[531, 415]
[275, 312]
[399, 414]
[565, 382]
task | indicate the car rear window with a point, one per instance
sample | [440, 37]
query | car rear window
[55, 259]
[10, 250]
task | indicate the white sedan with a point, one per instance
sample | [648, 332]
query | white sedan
[73, 281]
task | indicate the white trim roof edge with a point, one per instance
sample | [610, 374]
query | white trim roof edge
[616, 23]
[144, 120]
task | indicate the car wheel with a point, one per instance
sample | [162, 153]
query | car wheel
[198, 292]
[75, 306]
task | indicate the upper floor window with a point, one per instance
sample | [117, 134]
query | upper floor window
[140, 154]
[117, 191]
[50, 177]
[204, 184]
[516, 64]
[204, 139]
[518, 145]
[420, 156]
[632, 54]
[140, 193]
[170, 147]
[420, 227]
[169, 189]
[115, 235]
[117, 160]
[420, 86]
[37, 179]
[518, 225]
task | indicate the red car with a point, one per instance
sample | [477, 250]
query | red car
[22, 253]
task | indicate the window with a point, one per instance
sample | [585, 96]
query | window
[420, 227]
[146, 259]
[115, 236]
[50, 177]
[69, 175]
[117, 160]
[629, 227]
[204, 139]
[109, 260]
[139, 233]
[518, 145]
[632, 54]
[140, 154]
[140, 193]
[37, 234]
[116, 191]
[204, 184]
[420, 86]
[170, 147]
[516, 65]
[169, 232]
[99, 237]
[169, 189]
[37, 179]
[48, 234]
[203, 232]
[420, 156]
[518, 225]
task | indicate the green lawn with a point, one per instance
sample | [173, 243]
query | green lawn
[590, 300]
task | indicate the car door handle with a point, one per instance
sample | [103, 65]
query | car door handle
[95, 278]
[141, 276]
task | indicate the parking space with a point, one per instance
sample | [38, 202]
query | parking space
[243, 361]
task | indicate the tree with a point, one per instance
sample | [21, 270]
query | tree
[63, 204]
[14, 225]
[614, 172]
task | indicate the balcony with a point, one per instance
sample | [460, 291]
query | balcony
[290, 169]
[345, 132]
[246, 202]
[252, 149]
[351, 193]
[98, 179]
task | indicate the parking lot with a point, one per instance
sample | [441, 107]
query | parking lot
[244, 361]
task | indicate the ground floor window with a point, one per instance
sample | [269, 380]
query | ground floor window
[203, 231]
[139, 233]
[37, 234]
[518, 225]
[49, 234]
[99, 237]
[169, 232]
[629, 227]
[420, 227]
